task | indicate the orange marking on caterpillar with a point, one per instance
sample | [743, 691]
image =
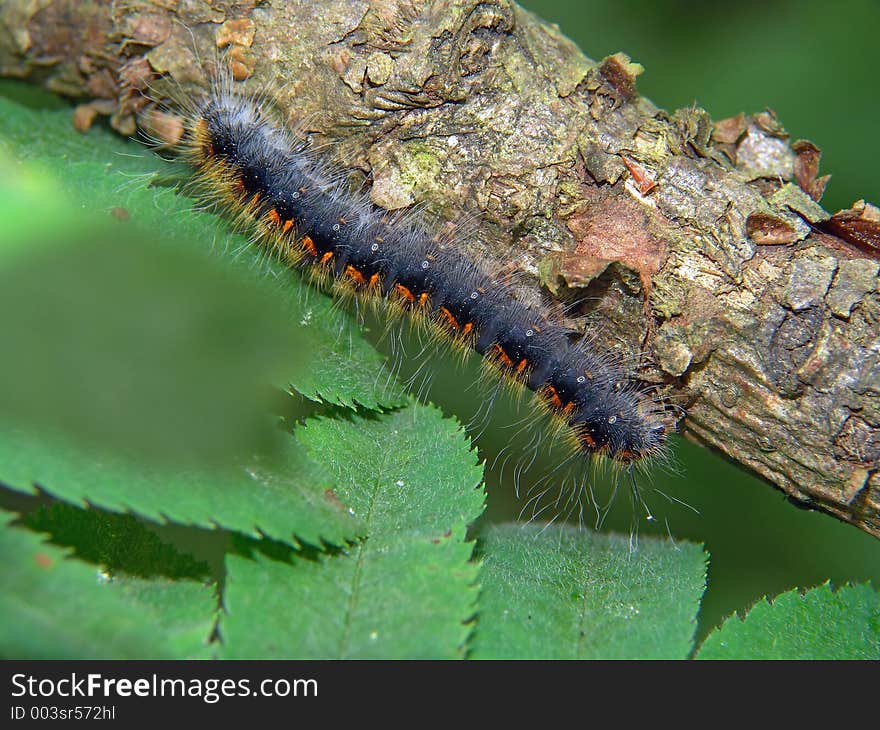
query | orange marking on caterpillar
[309, 245]
[424, 299]
[327, 258]
[521, 365]
[449, 317]
[467, 328]
[273, 216]
[288, 224]
[549, 393]
[404, 293]
[503, 356]
[375, 281]
[356, 276]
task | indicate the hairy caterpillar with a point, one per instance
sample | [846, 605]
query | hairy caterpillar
[303, 210]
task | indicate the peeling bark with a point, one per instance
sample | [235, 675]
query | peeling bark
[700, 245]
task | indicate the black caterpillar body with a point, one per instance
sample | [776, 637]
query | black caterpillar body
[307, 213]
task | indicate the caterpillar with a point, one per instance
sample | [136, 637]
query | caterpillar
[302, 209]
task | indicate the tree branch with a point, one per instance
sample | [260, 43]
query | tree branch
[699, 245]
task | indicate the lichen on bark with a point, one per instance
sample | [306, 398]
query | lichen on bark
[700, 245]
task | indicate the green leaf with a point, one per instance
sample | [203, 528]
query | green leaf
[141, 347]
[56, 607]
[106, 177]
[819, 624]
[408, 589]
[183, 613]
[563, 593]
[120, 543]
[285, 497]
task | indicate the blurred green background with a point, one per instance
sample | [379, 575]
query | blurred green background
[815, 63]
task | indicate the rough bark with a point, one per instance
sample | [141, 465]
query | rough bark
[698, 244]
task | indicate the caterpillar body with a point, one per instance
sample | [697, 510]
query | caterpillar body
[273, 180]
